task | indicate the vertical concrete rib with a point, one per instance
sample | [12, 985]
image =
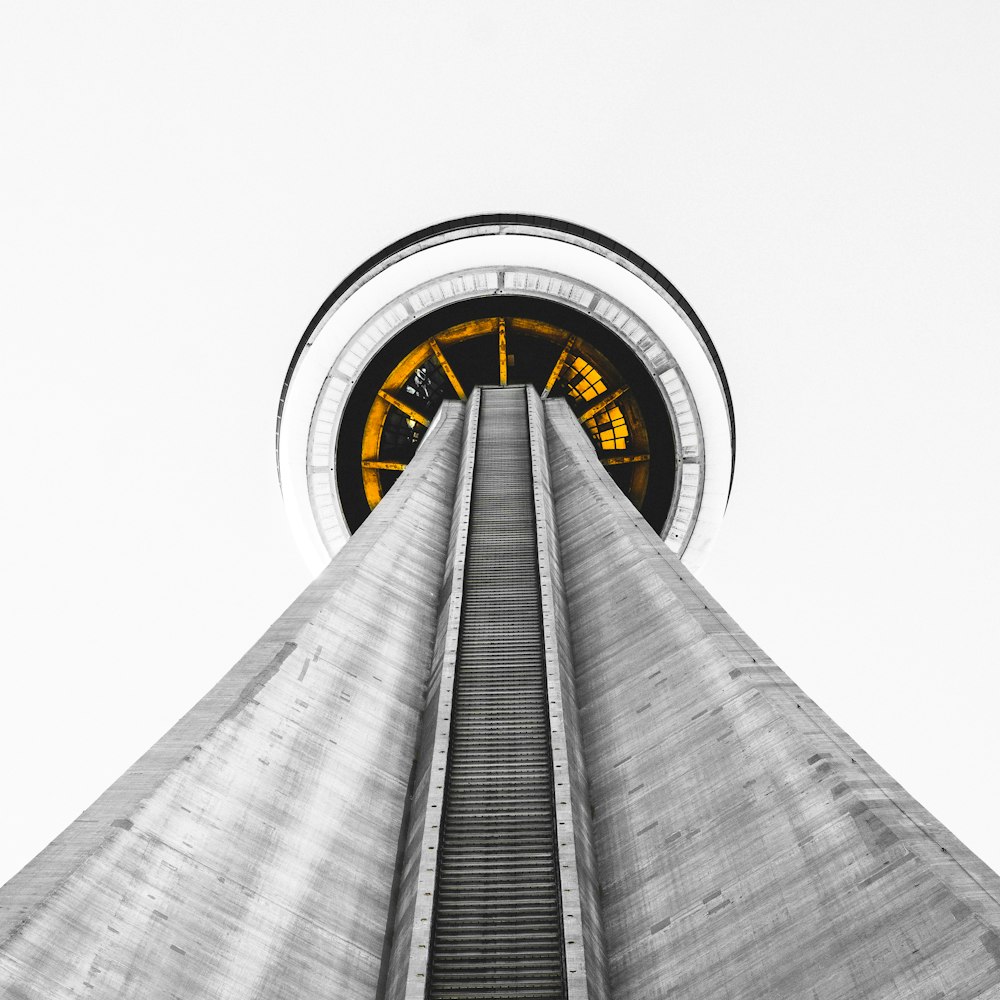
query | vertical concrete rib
[251, 852]
[497, 927]
[583, 935]
[492, 906]
[746, 845]
[408, 961]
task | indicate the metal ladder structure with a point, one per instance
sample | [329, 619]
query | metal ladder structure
[497, 924]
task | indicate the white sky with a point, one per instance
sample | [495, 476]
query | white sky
[182, 185]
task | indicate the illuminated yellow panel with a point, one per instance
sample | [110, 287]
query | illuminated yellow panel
[609, 428]
[603, 402]
[584, 381]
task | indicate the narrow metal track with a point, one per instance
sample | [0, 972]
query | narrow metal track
[497, 925]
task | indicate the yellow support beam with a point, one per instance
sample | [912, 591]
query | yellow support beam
[446, 368]
[602, 403]
[567, 347]
[408, 410]
[503, 351]
[624, 459]
[377, 463]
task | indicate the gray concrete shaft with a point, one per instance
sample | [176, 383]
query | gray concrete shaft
[583, 929]
[582, 939]
[746, 846]
[405, 973]
[730, 840]
[252, 851]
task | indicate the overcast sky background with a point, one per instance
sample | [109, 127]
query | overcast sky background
[182, 185]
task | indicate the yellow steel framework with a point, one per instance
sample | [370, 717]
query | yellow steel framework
[502, 334]
[446, 368]
[607, 410]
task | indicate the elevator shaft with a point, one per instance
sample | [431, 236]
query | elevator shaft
[497, 923]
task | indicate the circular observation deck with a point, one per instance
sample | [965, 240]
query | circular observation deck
[496, 299]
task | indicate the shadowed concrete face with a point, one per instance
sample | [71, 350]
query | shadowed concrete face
[746, 845]
[252, 851]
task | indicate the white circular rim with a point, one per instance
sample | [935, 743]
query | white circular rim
[526, 259]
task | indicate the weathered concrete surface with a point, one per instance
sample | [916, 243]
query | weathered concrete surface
[406, 971]
[251, 852]
[747, 847]
[583, 934]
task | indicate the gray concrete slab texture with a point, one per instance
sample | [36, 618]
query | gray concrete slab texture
[505, 745]
[628, 800]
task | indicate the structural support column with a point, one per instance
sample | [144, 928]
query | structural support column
[407, 969]
[492, 904]
[746, 845]
[251, 852]
[583, 933]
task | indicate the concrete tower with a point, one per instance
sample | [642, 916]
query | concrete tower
[505, 744]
